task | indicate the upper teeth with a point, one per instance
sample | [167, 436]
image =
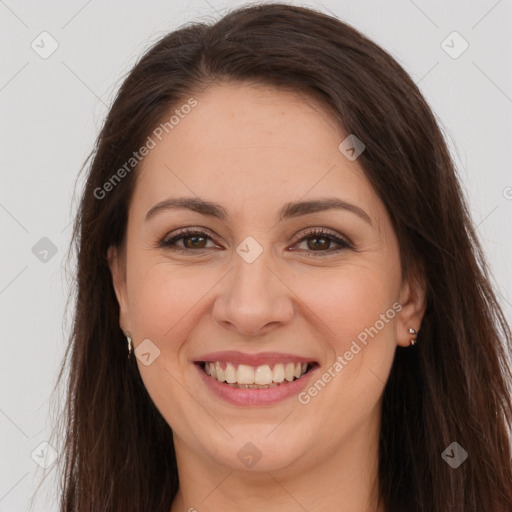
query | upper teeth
[261, 375]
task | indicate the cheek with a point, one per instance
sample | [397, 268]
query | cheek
[350, 300]
[163, 302]
[162, 298]
[356, 305]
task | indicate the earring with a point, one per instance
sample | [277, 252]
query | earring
[413, 331]
[130, 345]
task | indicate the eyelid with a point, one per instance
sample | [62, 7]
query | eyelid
[187, 232]
[299, 237]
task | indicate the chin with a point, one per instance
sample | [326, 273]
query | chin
[259, 449]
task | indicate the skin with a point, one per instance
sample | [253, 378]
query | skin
[252, 149]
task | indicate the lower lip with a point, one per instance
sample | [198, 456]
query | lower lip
[266, 396]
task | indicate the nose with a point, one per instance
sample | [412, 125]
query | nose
[254, 298]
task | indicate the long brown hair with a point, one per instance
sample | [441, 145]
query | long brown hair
[452, 386]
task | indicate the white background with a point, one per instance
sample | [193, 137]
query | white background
[52, 110]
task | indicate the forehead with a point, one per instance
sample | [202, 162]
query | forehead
[255, 147]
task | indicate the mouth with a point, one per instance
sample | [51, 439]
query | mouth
[261, 377]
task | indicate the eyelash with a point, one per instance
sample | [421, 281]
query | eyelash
[312, 233]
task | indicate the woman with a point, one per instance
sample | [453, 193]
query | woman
[273, 230]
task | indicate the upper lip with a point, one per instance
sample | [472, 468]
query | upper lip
[262, 358]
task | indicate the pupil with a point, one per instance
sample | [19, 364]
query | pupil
[325, 240]
[194, 240]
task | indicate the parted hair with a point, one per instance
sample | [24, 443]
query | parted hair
[452, 386]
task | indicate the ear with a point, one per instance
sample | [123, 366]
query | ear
[413, 298]
[117, 262]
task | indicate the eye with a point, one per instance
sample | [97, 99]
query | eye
[321, 239]
[192, 239]
[195, 240]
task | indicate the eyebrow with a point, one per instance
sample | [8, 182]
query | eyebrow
[288, 211]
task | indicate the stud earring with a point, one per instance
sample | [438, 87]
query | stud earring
[413, 331]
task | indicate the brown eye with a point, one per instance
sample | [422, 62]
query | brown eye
[196, 242]
[320, 241]
[317, 241]
[192, 239]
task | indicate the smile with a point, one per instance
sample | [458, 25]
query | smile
[257, 384]
[264, 376]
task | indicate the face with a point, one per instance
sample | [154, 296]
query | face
[255, 280]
